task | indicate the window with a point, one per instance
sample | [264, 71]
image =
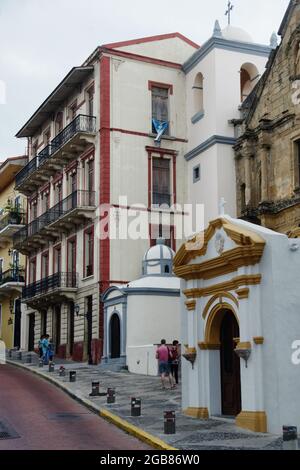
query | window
[243, 197]
[71, 255]
[90, 100]
[160, 106]
[34, 148]
[198, 94]
[45, 265]
[32, 271]
[45, 202]
[47, 137]
[88, 268]
[161, 175]
[57, 259]
[33, 210]
[72, 110]
[196, 174]
[59, 122]
[167, 232]
[58, 192]
[249, 78]
[89, 196]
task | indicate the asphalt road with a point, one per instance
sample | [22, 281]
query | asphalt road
[46, 418]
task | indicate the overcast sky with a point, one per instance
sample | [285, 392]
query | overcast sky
[40, 40]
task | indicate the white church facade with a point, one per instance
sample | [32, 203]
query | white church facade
[239, 322]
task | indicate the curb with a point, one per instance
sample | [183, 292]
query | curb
[121, 423]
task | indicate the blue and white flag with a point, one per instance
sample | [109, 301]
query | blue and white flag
[160, 127]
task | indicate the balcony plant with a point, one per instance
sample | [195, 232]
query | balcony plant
[14, 212]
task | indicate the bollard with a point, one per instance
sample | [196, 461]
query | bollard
[136, 407]
[51, 366]
[95, 389]
[290, 438]
[41, 363]
[62, 371]
[111, 395]
[169, 422]
[72, 376]
[10, 354]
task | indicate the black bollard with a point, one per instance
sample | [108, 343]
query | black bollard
[111, 395]
[169, 422]
[62, 371]
[95, 389]
[136, 407]
[290, 438]
[51, 366]
[72, 376]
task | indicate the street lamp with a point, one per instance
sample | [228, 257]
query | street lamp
[77, 310]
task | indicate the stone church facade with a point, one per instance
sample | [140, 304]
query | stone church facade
[268, 147]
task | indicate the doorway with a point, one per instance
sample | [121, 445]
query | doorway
[230, 366]
[17, 330]
[56, 329]
[31, 332]
[115, 337]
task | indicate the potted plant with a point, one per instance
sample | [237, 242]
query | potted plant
[14, 212]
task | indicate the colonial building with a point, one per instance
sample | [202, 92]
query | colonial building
[96, 139]
[239, 321]
[268, 150]
[12, 264]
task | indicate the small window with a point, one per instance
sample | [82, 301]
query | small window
[161, 186]
[89, 252]
[196, 174]
[167, 269]
[160, 106]
[198, 94]
[72, 110]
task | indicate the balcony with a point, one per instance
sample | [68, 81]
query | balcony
[71, 212]
[66, 146]
[9, 225]
[58, 288]
[12, 280]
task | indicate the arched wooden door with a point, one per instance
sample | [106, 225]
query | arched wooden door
[115, 336]
[230, 366]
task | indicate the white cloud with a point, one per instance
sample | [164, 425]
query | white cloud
[40, 40]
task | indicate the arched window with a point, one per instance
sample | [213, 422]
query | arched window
[249, 78]
[198, 94]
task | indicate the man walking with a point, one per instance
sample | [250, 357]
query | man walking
[162, 354]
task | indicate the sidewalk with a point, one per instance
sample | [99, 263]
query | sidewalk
[191, 434]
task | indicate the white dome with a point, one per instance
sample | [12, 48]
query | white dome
[159, 252]
[232, 33]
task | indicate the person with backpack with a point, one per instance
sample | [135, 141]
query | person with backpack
[174, 360]
[45, 348]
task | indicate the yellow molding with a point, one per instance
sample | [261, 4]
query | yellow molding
[253, 420]
[198, 245]
[232, 285]
[229, 261]
[209, 346]
[245, 345]
[190, 305]
[295, 233]
[199, 413]
[243, 293]
[259, 340]
[213, 324]
[220, 295]
[190, 350]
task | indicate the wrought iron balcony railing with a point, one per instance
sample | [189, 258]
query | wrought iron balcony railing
[14, 218]
[76, 200]
[82, 123]
[12, 275]
[68, 280]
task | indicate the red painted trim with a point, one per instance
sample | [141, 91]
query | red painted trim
[142, 58]
[88, 230]
[87, 153]
[159, 37]
[80, 104]
[58, 177]
[174, 180]
[71, 166]
[44, 188]
[143, 134]
[149, 178]
[162, 151]
[166, 86]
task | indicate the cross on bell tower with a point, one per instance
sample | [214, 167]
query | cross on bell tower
[230, 7]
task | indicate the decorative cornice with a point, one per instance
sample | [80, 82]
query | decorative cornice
[244, 345]
[209, 346]
[220, 295]
[224, 44]
[243, 293]
[213, 140]
[190, 305]
[232, 285]
[259, 340]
